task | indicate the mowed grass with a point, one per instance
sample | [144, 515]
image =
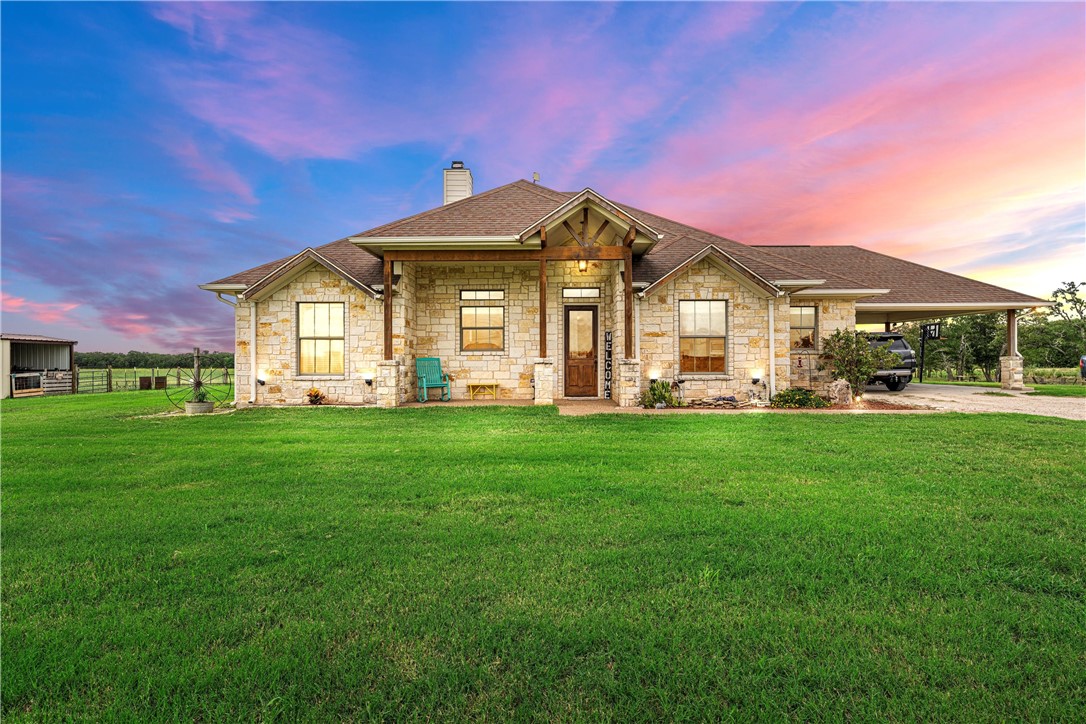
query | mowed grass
[1039, 390]
[1058, 390]
[507, 563]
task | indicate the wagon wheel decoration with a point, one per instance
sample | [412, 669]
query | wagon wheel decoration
[199, 384]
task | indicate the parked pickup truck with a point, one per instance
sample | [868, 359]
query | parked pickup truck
[895, 379]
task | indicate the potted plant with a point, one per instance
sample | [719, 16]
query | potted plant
[200, 404]
[315, 396]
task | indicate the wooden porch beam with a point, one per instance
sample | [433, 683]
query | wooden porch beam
[572, 232]
[627, 278]
[599, 232]
[575, 253]
[584, 227]
[630, 237]
[543, 237]
[442, 255]
[388, 308]
[554, 253]
[542, 308]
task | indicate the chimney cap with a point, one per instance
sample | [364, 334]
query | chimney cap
[457, 164]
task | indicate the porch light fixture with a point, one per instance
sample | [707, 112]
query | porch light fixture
[367, 377]
[582, 265]
[260, 378]
[756, 377]
[654, 375]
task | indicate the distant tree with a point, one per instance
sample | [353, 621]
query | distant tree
[1070, 306]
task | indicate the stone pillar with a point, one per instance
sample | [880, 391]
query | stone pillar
[544, 381]
[629, 383]
[1011, 373]
[386, 387]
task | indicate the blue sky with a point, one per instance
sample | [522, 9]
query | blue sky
[148, 148]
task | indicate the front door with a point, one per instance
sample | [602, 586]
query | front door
[582, 363]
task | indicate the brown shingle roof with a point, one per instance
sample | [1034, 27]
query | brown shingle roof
[908, 282]
[509, 209]
[503, 211]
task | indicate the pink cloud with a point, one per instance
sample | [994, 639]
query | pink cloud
[277, 85]
[210, 171]
[48, 312]
[886, 138]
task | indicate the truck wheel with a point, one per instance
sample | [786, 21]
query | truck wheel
[899, 385]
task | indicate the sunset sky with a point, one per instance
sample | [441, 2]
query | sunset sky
[150, 148]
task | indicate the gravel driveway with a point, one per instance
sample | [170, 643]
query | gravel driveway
[954, 398]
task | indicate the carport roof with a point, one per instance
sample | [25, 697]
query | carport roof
[909, 283]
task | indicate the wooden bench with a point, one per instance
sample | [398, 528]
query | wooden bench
[482, 388]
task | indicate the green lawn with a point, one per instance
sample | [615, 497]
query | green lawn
[1041, 390]
[499, 563]
[1058, 390]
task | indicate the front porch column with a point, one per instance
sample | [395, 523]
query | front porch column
[543, 309]
[627, 278]
[387, 385]
[1011, 368]
[629, 383]
[387, 292]
[544, 381]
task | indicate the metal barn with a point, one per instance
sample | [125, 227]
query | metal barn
[32, 365]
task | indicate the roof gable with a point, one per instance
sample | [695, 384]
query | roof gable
[297, 265]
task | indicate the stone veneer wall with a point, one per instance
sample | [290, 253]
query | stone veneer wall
[437, 315]
[832, 314]
[277, 353]
[747, 341]
[405, 318]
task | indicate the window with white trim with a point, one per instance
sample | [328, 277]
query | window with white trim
[581, 293]
[804, 327]
[481, 295]
[703, 329]
[320, 338]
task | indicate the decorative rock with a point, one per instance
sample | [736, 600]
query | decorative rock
[840, 392]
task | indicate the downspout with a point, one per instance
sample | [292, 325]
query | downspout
[252, 353]
[772, 349]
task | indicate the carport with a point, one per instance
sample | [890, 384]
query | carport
[32, 365]
[918, 293]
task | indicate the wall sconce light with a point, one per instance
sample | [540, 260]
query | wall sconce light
[260, 378]
[756, 377]
[367, 377]
[582, 265]
[654, 375]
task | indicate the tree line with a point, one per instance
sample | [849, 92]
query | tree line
[147, 360]
[1053, 337]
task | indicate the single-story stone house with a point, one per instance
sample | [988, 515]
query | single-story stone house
[545, 294]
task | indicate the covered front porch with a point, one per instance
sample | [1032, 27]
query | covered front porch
[552, 319]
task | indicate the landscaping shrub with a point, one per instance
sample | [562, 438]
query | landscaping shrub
[658, 392]
[796, 398]
[852, 358]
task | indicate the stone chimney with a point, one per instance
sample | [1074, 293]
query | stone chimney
[458, 182]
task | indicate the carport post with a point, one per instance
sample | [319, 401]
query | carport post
[1011, 369]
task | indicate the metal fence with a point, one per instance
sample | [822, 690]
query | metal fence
[123, 380]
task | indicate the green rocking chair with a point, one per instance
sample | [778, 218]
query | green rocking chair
[428, 370]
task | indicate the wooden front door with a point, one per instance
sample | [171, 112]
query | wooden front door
[582, 353]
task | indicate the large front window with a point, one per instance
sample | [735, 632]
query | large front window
[320, 338]
[703, 328]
